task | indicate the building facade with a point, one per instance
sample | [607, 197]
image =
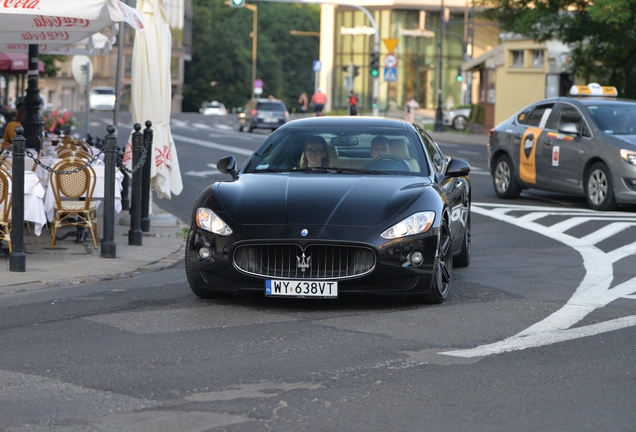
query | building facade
[430, 39]
[517, 72]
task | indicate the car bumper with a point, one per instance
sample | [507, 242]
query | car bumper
[392, 272]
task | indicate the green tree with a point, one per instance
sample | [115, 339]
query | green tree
[222, 53]
[600, 34]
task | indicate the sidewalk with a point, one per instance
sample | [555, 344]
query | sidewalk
[70, 263]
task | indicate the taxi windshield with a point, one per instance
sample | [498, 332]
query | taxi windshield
[615, 119]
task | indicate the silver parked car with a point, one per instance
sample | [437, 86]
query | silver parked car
[582, 145]
[457, 118]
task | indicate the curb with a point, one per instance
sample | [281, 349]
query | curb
[170, 261]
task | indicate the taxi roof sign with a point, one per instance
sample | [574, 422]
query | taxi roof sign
[593, 89]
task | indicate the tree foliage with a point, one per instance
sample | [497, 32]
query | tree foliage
[222, 52]
[601, 34]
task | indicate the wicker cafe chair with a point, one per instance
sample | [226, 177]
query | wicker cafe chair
[73, 186]
[5, 210]
[74, 152]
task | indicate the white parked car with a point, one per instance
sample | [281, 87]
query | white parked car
[213, 108]
[103, 98]
[457, 118]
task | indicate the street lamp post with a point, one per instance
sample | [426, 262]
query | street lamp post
[439, 124]
[254, 9]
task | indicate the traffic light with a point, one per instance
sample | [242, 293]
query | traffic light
[356, 71]
[459, 74]
[237, 3]
[374, 103]
[374, 66]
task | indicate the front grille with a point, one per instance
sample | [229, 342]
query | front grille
[290, 261]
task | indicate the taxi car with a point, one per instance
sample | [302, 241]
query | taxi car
[584, 144]
[395, 224]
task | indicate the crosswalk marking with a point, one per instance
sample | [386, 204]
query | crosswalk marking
[595, 290]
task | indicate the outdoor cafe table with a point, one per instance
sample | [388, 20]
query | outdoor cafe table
[33, 201]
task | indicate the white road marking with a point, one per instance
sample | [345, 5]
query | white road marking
[203, 173]
[213, 145]
[594, 290]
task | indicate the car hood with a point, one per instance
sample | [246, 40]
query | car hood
[318, 199]
[626, 141]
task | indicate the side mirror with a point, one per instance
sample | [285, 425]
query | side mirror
[457, 168]
[227, 165]
[569, 128]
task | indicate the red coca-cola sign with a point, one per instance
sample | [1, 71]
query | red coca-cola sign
[42, 21]
[21, 4]
[46, 36]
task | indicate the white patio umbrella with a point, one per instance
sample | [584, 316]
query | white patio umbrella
[151, 91]
[59, 26]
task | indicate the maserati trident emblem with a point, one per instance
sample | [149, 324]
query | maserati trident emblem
[303, 262]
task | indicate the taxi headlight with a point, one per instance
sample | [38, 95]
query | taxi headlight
[629, 156]
[209, 221]
[414, 224]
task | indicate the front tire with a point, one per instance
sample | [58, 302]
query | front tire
[442, 270]
[460, 123]
[504, 180]
[599, 190]
[463, 259]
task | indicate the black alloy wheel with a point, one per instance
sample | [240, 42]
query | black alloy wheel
[442, 270]
[463, 259]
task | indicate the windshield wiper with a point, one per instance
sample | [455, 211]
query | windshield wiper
[356, 171]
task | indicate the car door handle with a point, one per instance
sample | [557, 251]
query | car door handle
[547, 143]
[517, 136]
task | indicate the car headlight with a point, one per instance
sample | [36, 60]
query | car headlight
[209, 221]
[414, 224]
[629, 156]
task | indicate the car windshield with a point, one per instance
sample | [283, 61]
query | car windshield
[616, 119]
[104, 91]
[270, 106]
[340, 150]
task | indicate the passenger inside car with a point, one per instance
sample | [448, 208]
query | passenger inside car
[315, 153]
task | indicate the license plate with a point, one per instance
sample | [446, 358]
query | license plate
[301, 288]
[270, 119]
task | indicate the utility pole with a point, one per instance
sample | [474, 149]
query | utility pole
[439, 124]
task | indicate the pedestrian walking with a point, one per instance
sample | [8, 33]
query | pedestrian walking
[303, 101]
[353, 103]
[409, 108]
[319, 99]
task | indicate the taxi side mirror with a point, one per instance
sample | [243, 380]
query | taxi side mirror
[569, 128]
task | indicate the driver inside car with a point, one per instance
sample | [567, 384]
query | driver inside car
[379, 146]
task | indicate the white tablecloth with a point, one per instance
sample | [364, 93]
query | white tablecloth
[33, 201]
[98, 194]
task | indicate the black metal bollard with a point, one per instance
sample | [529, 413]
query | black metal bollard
[17, 259]
[135, 235]
[109, 246]
[145, 182]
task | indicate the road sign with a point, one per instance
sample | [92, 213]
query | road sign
[390, 61]
[317, 65]
[390, 74]
[258, 83]
[258, 90]
[390, 44]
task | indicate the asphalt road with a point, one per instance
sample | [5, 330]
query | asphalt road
[536, 335]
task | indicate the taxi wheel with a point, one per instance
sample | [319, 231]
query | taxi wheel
[504, 180]
[599, 191]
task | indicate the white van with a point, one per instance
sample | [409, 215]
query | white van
[102, 98]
